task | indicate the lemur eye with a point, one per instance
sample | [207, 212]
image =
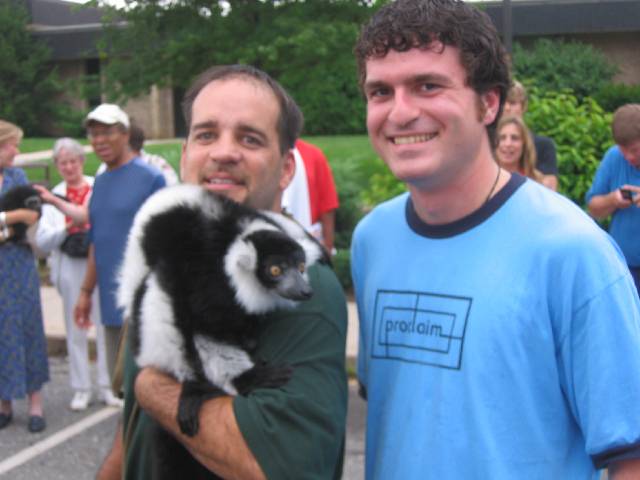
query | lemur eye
[275, 271]
[301, 267]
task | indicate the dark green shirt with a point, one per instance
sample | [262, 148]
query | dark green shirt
[295, 431]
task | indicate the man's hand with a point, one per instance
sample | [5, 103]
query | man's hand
[219, 445]
[635, 192]
[82, 310]
[45, 194]
[79, 214]
[625, 469]
[601, 206]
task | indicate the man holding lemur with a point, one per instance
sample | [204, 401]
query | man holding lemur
[242, 126]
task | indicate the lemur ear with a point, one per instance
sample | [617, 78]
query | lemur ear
[245, 261]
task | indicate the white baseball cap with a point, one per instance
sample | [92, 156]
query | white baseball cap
[109, 114]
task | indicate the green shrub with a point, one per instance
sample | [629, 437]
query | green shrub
[342, 267]
[614, 95]
[581, 131]
[382, 186]
[554, 65]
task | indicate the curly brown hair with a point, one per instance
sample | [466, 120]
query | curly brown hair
[405, 24]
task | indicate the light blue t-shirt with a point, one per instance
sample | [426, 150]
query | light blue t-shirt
[614, 172]
[117, 196]
[504, 345]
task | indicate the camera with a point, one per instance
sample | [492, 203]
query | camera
[626, 193]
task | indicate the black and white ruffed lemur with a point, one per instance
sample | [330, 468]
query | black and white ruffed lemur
[198, 271]
[20, 196]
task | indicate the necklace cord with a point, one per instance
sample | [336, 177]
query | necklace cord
[495, 183]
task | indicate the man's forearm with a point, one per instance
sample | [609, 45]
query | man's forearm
[328, 221]
[625, 470]
[601, 206]
[111, 468]
[79, 214]
[90, 275]
[219, 444]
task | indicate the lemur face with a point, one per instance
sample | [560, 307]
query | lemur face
[280, 265]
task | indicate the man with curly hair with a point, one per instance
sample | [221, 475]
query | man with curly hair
[499, 326]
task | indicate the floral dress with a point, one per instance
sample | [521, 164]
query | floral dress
[24, 366]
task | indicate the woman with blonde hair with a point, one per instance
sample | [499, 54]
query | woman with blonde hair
[24, 366]
[515, 150]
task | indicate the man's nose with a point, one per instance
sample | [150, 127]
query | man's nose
[403, 110]
[225, 150]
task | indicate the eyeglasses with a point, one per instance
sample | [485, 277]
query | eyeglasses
[107, 132]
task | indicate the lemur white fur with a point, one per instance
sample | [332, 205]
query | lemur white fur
[161, 344]
[134, 268]
[191, 195]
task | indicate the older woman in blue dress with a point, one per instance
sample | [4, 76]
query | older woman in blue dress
[24, 366]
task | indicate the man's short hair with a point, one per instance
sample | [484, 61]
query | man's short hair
[517, 94]
[626, 124]
[405, 24]
[290, 119]
[136, 138]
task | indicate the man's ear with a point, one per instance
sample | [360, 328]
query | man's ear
[490, 102]
[182, 159]
[288, 169]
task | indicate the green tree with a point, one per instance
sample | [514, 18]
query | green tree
[582, 132]
[28, 86]
[554, 65]
[306, 45]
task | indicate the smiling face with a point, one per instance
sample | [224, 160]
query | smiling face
[233, 144]
[8, 151]
[510, 147]
[70, 166]
[423, 119]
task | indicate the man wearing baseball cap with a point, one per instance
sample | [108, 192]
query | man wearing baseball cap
[117, 195]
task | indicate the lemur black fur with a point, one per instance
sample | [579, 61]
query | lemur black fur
[20, 196]
[198, 272]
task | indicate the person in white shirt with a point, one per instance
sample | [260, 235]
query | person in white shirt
[65, 213]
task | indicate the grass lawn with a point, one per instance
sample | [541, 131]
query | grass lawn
[37, 144]
[342, 151]
[352, 159]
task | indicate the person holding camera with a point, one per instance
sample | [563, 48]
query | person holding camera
[62, 232]
[616, 186]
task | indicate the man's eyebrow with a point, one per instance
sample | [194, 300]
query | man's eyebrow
[420, 78]
[431, 78]
[204, 124]
[246, 128]
[374, 84]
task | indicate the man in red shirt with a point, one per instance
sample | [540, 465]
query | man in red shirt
[323, 198]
